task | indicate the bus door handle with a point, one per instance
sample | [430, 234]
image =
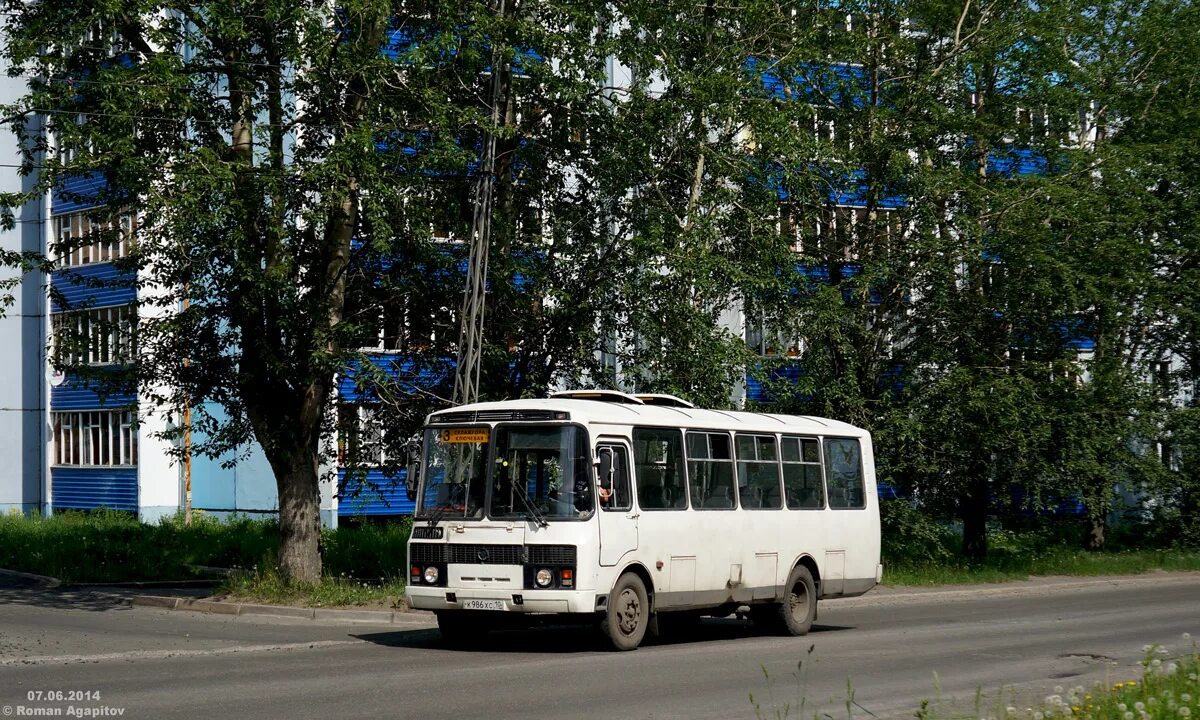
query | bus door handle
[633, 516]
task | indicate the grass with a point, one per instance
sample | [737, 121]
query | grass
[108, 546]
[265, 586]
[1048, 561]
[1169, 689]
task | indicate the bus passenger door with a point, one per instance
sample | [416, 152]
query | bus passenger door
[618, 518]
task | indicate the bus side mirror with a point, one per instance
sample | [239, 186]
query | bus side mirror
[411, 478]
[607, 470]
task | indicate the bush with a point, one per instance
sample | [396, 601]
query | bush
[911, 537]
[109, 546]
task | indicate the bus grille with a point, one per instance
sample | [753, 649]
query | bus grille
[483, 554]
[551, 554]
[426, 553]
[475, 554]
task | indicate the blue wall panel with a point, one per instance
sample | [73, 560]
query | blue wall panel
[79, 394]
[96, 285]
[87, 488]
[374, 495]
[248, 484]
[411, 376]
[76, 193]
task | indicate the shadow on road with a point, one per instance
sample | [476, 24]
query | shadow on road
[565, 639]
[21, 591]
[62, 598]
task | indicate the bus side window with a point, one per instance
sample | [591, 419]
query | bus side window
[843, 473]
[710, 471]
[658, 455]
[758, 472]
[621, 492]
[802, 473]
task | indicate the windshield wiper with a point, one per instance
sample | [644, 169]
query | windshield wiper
[537, 516]
[438, 513]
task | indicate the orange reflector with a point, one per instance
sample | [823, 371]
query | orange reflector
[567, 574]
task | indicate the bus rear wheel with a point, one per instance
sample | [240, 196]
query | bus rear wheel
[799, 607]
[627, 614]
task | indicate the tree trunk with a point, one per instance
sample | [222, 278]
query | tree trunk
[1097, 526]
[974, 516]
[299, 518]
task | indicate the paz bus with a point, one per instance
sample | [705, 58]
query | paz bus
[634, 511]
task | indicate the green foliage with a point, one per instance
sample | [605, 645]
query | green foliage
[107, 546]
[994, 329]
[912, 537]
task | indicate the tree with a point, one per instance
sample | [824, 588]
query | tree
[265, 148]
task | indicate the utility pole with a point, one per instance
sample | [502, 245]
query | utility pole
[187, 433]
[470, 336]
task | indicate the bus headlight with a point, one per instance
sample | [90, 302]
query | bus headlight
[543, 578]
[431, 575]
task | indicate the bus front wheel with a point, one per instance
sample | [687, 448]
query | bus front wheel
[627, 614]
[799, 607]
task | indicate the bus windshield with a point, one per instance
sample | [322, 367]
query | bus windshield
[455, 477]
[541, 471]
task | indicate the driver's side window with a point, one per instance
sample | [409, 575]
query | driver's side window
[621, 495]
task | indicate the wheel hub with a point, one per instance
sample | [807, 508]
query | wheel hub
[629, 611]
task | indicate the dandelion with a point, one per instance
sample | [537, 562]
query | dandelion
[1155, 663]
[1039, 715]
[1122, 707]
[1185, 697]
[1151, 701]
[1172, 668]
[1140, 706]
[1186, 636]
[1010, 710]
[1185, 711]
[1127, 716]
[1147, 648]
[1058, 689]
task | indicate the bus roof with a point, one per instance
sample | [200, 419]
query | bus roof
[607, 412]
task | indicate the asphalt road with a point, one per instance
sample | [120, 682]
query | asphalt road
[1014, 643]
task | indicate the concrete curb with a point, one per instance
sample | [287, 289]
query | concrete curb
[416, 618]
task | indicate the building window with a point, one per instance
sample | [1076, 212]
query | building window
[103, 336]
[81, 240]
[361, 436]
[99, 438]
[838, 233]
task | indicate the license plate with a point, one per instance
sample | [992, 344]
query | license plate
[483, 605]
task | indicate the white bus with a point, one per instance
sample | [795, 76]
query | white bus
[638, 510]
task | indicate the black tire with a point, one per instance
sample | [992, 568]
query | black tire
[461, 628]
[799, 608]
[628, 613]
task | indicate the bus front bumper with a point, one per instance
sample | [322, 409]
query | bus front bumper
[508, 600]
